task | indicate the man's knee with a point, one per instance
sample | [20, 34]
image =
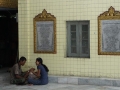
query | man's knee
[16, 81]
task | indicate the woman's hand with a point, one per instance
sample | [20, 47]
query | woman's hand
[32, 69]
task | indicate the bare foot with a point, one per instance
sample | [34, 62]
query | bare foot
[30, 84]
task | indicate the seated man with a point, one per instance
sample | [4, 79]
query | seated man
[17, 77]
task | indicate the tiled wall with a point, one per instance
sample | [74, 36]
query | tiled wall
[65, 10]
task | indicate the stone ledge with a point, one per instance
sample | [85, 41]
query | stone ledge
[84, 81]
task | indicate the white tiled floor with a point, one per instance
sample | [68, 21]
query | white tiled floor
[4, 85]
[54, 86]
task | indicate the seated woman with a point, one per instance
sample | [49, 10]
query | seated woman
[41, 74]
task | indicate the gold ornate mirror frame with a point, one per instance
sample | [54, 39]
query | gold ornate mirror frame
[108, 30]
[45, 33]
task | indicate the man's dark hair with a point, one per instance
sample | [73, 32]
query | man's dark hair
[22, 59]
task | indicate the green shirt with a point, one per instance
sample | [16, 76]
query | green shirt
[16, 69]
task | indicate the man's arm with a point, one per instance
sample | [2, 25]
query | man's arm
[17, 73]
[26, 74]
[18, 76]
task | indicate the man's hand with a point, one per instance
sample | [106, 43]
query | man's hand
[18, 76]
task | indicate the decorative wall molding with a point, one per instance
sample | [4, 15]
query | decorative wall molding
[45, 33]
[44, 15]
[8, 3]
[108, 32]
[111, 12]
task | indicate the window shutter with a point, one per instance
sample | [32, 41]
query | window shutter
[84, 50]
[73, 44]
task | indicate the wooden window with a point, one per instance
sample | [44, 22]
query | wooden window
[78, 41]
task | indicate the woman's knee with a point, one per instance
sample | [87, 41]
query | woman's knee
[30, 80]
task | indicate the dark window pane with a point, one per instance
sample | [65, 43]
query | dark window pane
[73, 35]
[73, 28]
[84, 43]
[84, 35]
[73, 50]
[84, 27]
[73, 42]
[84, 50]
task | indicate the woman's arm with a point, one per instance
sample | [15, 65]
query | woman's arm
[36, 73]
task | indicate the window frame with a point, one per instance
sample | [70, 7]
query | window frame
[79, 53]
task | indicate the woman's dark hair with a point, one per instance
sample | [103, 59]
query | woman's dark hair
[22, 59]
[41, 61]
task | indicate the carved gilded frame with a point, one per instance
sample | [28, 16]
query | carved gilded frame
[111, 14]
[44, 16]
[9, 4]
